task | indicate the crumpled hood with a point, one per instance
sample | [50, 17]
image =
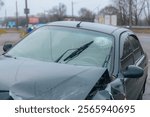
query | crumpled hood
[43, 80]
[8, 71]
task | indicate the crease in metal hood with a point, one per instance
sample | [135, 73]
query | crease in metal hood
[8, 71]
[43, 80]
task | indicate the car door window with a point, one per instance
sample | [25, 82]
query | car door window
[137, 50]
[127, 56]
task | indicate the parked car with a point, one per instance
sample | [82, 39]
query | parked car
[74, 60]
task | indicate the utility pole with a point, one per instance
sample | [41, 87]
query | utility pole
[45, 16]
[16, 15]
[130, 14]
[26, 11]
[6, 17]
[5, 14]
[72, 4]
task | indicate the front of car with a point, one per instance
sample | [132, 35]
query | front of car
[57, 62]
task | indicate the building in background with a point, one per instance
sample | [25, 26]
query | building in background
[107, 15]
[11, 24]
[33, 20]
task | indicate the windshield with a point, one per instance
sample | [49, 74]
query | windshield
[50, 43]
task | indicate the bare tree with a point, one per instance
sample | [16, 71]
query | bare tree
[43, 18]
[123, 7]
[1, 3]
[109, 10]
[58, 13]
[86, 15]
[147, 11]
[137, 6]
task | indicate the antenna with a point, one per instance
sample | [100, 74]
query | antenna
[78, 25]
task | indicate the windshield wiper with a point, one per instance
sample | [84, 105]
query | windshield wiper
[57, 60]
[8, 56]
[3, 91]
[78, 51]
[107, 58]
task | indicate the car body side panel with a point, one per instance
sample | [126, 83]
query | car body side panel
[8, 71]
[113, 91]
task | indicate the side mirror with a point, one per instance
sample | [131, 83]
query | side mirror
[133, 71]
[7, 47]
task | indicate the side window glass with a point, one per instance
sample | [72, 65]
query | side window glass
[137, 50]
[127, 49]
[127, 56]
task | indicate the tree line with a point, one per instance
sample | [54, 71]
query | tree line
[58, 13]
[139, 13]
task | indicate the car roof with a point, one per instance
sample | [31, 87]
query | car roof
[89, 25]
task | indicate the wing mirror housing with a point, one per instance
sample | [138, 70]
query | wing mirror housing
[133, 71]
[7, 47]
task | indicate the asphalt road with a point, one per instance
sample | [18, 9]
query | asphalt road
[11, 37]
[144, 39]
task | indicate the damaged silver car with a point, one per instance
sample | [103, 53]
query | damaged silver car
[76, 61]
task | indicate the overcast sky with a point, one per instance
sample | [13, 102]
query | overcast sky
[39, 6]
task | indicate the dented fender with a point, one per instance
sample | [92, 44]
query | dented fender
[114, 90]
